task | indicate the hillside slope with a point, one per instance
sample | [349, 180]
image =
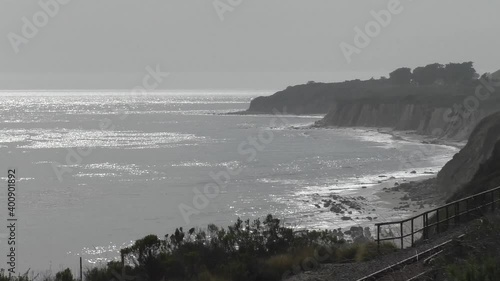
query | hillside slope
[476, 166]
[487, 176]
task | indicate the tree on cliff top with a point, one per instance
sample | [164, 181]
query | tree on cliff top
[401, 76]
[459, 73]
[428, 74]
[452, 73]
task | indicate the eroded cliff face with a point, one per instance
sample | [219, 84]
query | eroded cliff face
[426, 119]
[486, 178]
[476, 161]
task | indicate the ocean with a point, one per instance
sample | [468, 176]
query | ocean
[97, 170]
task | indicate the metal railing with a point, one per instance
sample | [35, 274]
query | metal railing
[439, 219]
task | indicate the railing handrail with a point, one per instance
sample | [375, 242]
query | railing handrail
[482, 205]
[438, 208]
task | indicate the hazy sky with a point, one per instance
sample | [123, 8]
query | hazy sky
[263, 44]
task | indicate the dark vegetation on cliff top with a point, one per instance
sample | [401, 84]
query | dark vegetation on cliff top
[435, 83]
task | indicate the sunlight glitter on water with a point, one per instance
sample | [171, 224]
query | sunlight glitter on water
[64, 138]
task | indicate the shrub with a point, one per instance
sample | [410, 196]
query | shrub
[347, 253]
[207, 276]
[97, 274]
[245, 251]
[281, 263]
[370, 250]
[241, 251]
[64, 275]
[5, 276]
[473, 270]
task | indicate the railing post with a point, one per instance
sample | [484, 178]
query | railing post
[81, 271]
[426, 224]
[484, 208]
[401, 232]
[493, 201]
[424, 228]
[412, 234]
[457, 212]
[378, 237]
[437, 220]
[447, 218]
[467, 208]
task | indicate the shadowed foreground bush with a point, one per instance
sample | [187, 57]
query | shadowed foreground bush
[246, 251]
[473, 257]
[474, 270]
[369, 251]
[63, 275]
[258, 250]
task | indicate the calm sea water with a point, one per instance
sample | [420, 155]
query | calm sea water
[99, 170]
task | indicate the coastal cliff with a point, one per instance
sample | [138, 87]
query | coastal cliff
[441, 109]
[318, 98]
[449, 112]
[432, 119]
[477, 166]
[486, 177]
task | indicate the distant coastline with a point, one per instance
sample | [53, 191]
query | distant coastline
[442, 101]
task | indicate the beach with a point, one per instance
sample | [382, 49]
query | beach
[388, 197]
